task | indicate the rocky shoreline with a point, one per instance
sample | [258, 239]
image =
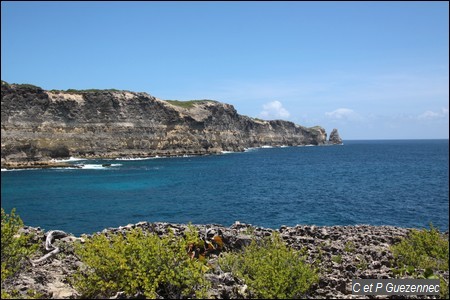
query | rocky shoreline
[341, 253]
[62, 162]
[35, 165]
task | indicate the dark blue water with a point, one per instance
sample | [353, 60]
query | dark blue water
[401, 183]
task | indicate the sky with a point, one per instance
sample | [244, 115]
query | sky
[373, 70]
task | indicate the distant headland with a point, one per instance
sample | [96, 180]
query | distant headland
[40, 125]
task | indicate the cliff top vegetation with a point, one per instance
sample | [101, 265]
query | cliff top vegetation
[189, 103]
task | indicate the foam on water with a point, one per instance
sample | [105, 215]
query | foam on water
[227, 152]
[136, 158]
[68, 160]
[96, 166]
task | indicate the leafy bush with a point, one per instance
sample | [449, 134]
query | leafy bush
[362, 264]
[271, 269]
[337, 258]
[426, 250]
[139, 263]
[349, 246]
[423, 249]
[15, 247]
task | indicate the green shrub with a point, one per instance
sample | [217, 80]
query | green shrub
[271, 269]
[362, 264]
[337, 258]
[349, 246]
[15, 249]
[424, 249]
[139, 263]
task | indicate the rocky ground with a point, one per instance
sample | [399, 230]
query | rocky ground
[340, 252]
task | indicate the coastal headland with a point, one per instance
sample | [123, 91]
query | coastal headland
[38, 126]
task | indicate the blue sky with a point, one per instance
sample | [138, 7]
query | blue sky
[374, 70]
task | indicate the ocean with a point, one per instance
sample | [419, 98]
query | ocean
[384, 182]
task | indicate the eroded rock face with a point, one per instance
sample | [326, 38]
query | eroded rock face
[334, 137]
[38, 125]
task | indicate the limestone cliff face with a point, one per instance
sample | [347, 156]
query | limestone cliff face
[39, 124]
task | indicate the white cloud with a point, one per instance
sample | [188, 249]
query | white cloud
[343, 114]
[274, 110]
[431, 115]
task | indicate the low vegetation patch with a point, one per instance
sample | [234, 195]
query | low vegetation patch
[271, 269]
[423, 249]
[188, 104]
[349, 246]
[259, 120]
[422, 254]
[140, 264]
[21, 85]
[337, 258]
[74, 91]
[16, 248]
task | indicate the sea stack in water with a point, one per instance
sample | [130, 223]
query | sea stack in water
[334, 137]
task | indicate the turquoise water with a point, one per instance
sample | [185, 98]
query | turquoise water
[402, 183]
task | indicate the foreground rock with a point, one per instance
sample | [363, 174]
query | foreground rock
[340, 252]
[39, 125]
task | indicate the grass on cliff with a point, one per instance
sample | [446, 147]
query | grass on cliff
[74, 91]
[68, 91]
[15, 249]
[271, 269]
[20, 85]
[188, 104]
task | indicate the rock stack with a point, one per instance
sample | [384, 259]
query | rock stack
[334, 137]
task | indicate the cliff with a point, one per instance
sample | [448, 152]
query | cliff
[37, 125]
